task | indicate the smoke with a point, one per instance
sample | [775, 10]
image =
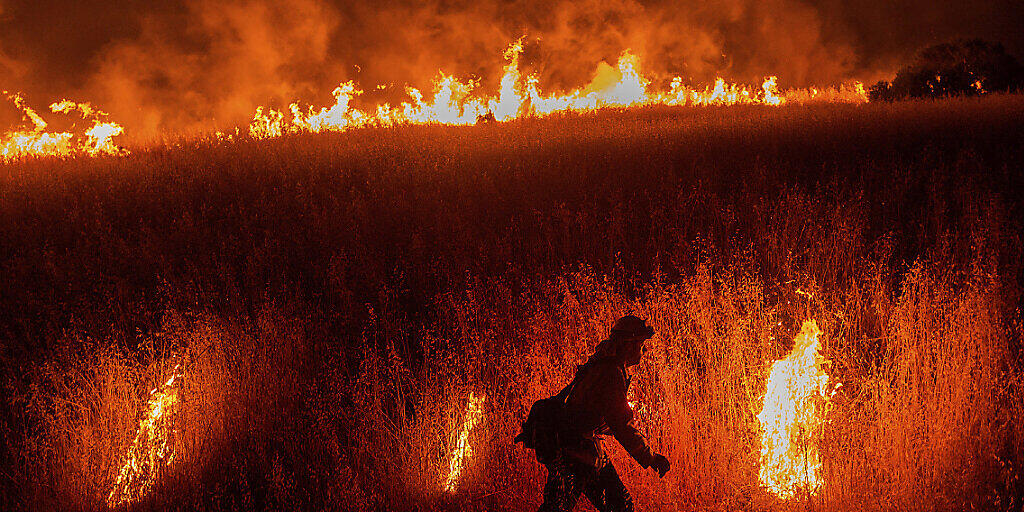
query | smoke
[213, 63]
[192, 65]
[10, 69]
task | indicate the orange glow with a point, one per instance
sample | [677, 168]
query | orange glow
[454, 102]
[795, 404]
[853, 92]
[457, 463]
[151, 451]
[97, 139]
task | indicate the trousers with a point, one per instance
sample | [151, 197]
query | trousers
[602, 486]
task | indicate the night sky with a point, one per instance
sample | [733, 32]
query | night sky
[188, 65]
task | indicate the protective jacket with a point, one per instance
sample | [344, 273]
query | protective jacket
[597, 406]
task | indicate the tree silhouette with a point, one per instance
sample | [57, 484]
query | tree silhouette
[966, 67]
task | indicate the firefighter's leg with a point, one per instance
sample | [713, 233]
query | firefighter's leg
[607, 493]
[563, 488]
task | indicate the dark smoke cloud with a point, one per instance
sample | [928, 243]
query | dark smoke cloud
[191, 65]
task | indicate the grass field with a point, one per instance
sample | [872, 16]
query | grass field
[333, 299]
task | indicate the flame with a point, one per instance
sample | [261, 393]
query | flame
[795, 404]
[454, 102]
[96, 140]
[621, 86]
[151, 451]
[457, 463]
[450, 101]
[771, 91]
[510, 100]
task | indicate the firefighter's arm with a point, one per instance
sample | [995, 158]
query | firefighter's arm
[619, 418]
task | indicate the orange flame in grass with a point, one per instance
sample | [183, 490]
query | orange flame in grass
[151, 451]
[455, 102]
[16, 144]
[795, 404]
[771, 91]
[96, 140]
[457, 463]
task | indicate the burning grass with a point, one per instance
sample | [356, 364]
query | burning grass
[97, 139]
[341, 304]
[152, 450]
[454, 102]
[793, 413]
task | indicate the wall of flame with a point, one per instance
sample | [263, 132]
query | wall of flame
[452, 101]
[456, 102]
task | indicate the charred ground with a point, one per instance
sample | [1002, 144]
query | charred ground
[335, 298]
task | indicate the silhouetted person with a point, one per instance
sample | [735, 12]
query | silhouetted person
[596, 405]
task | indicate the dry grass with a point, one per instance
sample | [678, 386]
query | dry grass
[335, 298]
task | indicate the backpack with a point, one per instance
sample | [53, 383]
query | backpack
[543, 425]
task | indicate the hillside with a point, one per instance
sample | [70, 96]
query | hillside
[332, 301]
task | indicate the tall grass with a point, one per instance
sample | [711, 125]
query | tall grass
[335, 298]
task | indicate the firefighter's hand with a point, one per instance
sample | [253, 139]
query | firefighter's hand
[660, 464]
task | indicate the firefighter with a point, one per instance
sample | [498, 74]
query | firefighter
[595, 406]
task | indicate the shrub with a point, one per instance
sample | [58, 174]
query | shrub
[961, 68]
